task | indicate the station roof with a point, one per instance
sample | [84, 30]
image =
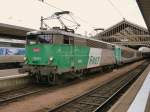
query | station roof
[122, 25]
[7, 29]
[125, 33]
[144, 6]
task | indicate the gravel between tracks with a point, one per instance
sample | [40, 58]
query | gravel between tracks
[41, 103]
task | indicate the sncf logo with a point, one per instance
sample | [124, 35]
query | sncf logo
[36, 49]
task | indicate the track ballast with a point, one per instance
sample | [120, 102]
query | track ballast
[101, 98]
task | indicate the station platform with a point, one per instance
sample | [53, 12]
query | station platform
[9, 72]
[11, 78]
[137, 97]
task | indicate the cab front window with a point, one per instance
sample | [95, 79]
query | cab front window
[36, 39]
[45, 39]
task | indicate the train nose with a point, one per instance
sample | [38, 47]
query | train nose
[36, 59]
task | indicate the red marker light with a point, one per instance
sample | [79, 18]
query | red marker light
[36, 49]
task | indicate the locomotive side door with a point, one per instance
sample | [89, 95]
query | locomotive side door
[69, 41]
[72, 58]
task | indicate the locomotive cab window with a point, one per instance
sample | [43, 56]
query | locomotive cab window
[45, 39]
[35, 39]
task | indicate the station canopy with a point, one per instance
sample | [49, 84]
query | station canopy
[122, 31]
[6, 29]
[144, 6]
[127, 34]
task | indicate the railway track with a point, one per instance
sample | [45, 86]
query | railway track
[102, 97]
[11, 95]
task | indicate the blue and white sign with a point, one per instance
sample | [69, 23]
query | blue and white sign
[12, 51]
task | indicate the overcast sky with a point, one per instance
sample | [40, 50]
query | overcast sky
[89, 13]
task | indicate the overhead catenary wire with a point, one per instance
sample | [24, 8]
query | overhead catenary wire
[61, 9]
[43, 1]
[81, 19]
[53, 16]
[75, 16]
[117, 10]
[72, 14]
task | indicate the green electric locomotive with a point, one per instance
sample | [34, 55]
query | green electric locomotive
[55, 53]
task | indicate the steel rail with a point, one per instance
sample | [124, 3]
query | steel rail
[107, 100]
[118, 92]
[19, 93]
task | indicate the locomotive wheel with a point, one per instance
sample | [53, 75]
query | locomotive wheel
[56, 80]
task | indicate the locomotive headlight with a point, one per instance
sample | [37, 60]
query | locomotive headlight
[51, 58]
[24, 58]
